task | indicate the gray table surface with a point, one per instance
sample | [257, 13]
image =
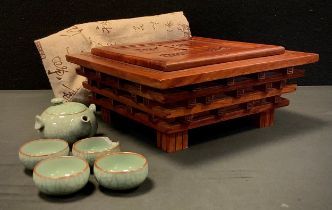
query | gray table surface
[229, 165]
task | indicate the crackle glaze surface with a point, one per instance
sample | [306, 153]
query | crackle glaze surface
[94, 147]
[67, 120]
[121, 171]
[61, 175]
[34, 151]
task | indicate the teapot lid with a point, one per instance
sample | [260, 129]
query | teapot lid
[60, 107]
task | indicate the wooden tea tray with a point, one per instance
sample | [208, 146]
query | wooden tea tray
[186, 91]
[188, 53]
[166, 80]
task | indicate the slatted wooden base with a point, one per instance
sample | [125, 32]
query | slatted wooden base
[176, 101]
[173, 112]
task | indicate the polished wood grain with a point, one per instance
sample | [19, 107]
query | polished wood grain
[175, 127]
[167, 113]
[165, 80]
[183, 54]
[181, 85]
[199, 90]
[265, 119]
[172, 142]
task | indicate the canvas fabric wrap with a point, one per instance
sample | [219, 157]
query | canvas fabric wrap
[62, 75]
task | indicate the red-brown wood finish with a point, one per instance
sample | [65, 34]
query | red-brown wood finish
[190, 89]
[186, 53]
[196, 75]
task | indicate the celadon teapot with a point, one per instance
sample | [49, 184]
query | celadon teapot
[67, 120]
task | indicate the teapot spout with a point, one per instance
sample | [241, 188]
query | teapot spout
[86, 124]
[39, 124]
[85, 119]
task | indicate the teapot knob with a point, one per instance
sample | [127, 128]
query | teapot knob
[57, 101]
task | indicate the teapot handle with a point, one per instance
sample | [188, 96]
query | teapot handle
[93, 108]
[39, 124]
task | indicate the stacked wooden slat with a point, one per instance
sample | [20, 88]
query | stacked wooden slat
[173, 111]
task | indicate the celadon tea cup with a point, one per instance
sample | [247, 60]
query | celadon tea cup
[121, 170]
[34, 151]
[61, 175]
[93, 147]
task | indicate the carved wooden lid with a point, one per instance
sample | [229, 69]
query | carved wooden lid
[188, 53]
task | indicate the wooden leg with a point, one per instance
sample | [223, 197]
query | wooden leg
[106, 115]
[265, 119]
[159, 139]
[172, 142]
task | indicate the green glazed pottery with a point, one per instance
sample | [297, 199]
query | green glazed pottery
[121, 170]
[34, 151]
[67, 120]
[61, 175]
[93, 147]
